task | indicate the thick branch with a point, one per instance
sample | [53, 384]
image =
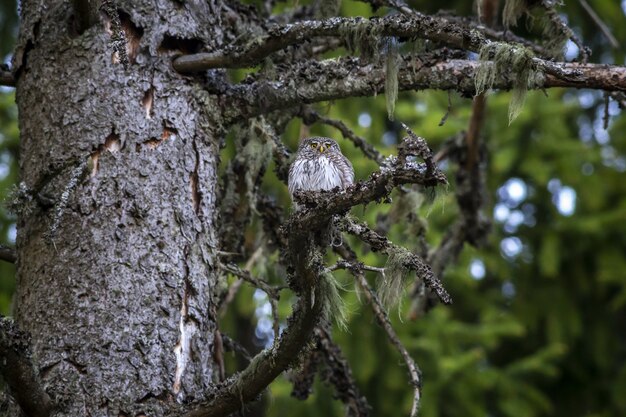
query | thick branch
[321, 205]
[267, 365]
[314, 81]
[19, 373]
[6, 78]
[8, 254]
[279, 37]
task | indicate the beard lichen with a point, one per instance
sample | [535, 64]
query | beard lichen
[256, 155]
[392, 286]
[513, 10]
[362, 37]
[392, 59]
[502, 60]
[334, 306]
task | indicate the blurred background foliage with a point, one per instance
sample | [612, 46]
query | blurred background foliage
[538, 324]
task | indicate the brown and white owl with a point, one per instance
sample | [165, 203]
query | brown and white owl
[319, 165]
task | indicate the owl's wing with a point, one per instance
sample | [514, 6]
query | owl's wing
[347, 172]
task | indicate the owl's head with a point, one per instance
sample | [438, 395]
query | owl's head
[317, 146]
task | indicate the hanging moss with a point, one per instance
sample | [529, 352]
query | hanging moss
[392, 287]
[392, 59]
[334, 306]
[362, 37]
[508, 62]
[513, 10]
[554, 34]
[256, 154]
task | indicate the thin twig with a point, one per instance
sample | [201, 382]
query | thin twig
[384, 321]
[272, 292]
[448, 109]
[310, 116]
[555, 18]
[344, 264]
[379, 243]
[603, 27]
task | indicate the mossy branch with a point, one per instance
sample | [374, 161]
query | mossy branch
[313, 81]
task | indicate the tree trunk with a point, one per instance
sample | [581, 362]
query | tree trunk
[115, 277]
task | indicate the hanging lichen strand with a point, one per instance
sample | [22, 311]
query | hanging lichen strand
[364, 38]
[396, 270]
[500, 60]
[392, 58]
[513, 10]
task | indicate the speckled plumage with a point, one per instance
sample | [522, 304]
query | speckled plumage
[320, 165]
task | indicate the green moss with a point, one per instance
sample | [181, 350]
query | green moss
[256, 155]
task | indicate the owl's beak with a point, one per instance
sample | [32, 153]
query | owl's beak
[322, 148]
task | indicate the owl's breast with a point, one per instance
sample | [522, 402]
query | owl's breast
[314, 175]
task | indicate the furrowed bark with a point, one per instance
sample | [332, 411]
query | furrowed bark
[118, 297]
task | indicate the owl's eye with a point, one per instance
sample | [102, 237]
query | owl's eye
[328, 144]
[314, 145]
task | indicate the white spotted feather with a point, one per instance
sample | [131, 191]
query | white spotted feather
[316, 171]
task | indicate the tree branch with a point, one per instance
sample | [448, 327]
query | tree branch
[281, 36]
[268, 364]
[19, 373]
[315, 81]
[8, 254]
[380, 243]
[383, 320]
[6, 78]
[319, 206]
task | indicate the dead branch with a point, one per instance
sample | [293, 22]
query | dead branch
[17, 368]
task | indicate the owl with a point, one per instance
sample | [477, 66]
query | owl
[319, 165]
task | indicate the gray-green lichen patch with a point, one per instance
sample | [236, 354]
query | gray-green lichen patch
[502, 60]
[392, 60]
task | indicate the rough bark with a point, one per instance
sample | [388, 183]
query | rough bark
[114, 282]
